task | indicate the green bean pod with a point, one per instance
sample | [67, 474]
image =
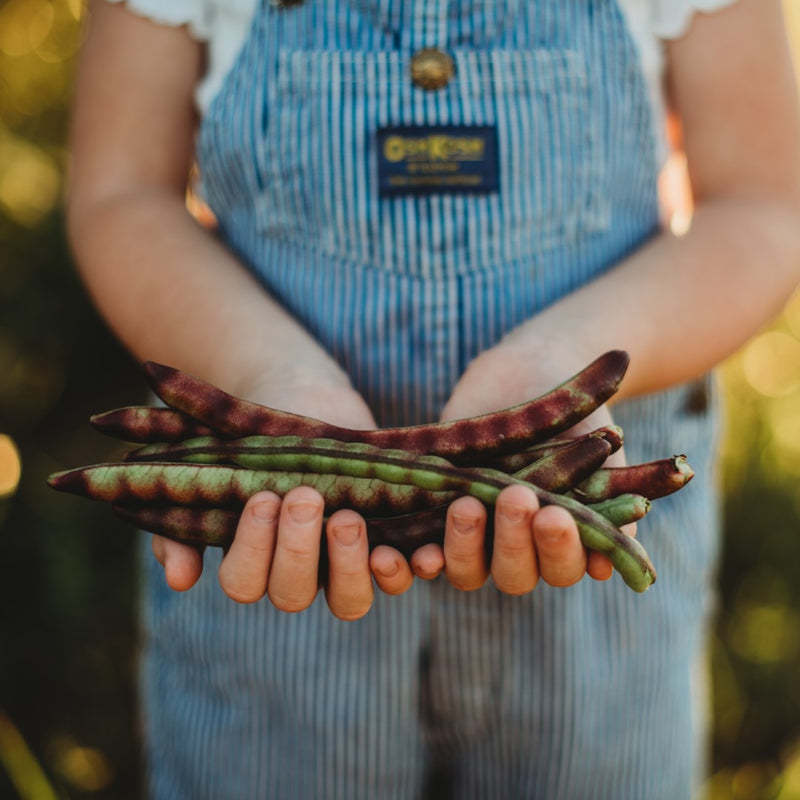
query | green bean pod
[623, 509]
[557, 469]
[224, 486]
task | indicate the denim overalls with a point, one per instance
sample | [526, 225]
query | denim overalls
[409, 220]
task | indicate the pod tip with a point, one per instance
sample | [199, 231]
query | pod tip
[157, 372]
[683, 467]
[68, 480]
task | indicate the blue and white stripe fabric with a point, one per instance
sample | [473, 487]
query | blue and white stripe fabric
[588, 692]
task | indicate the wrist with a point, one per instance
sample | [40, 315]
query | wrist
[548, 345]
[305, 373]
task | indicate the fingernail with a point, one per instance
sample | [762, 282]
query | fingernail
[264, 512]
[347, 535]
[390, 571]
[462, 524]
[427, 574]
[550, 536]
[303, 512]
[512, 514]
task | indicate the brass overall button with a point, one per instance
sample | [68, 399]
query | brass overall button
[432, 69]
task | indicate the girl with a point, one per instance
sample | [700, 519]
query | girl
[340, 284]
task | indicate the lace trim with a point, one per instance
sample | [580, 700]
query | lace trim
[671, 18]
[194, 14]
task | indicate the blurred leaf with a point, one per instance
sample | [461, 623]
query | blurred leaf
[24, 771]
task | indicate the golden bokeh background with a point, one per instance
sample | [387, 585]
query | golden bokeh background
[68, 595]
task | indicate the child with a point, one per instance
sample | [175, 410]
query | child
[342, 285]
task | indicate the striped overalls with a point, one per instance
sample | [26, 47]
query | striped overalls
[405, 273]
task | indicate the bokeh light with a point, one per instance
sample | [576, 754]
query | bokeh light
[771, 363]
[10, 466]
[84, 768]
[30, 180]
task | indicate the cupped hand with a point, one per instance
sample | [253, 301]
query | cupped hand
[529, 542]
[276, 550]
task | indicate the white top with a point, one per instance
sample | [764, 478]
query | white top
[223, 25]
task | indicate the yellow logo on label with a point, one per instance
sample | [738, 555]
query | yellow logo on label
[435, 147]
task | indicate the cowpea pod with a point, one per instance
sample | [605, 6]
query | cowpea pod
[216, 527]
[653, 479]
[325, 456]
[148, 424]
[223, 486]
[166, 482]
[561, 470]
[623, 509]
[557, 470]
[211, 527]
[512, 462]
[460, 440]
[208, 449]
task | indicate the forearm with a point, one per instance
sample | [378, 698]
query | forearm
[173, 293]
[167, 287]
[680, 305]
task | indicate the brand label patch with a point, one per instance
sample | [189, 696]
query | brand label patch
[429, 159]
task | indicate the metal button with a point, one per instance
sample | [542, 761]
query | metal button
[432, 69]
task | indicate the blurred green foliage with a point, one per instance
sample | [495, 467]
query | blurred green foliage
[68, 594]
[67, 598]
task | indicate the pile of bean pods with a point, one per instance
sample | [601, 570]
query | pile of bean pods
[202, 455]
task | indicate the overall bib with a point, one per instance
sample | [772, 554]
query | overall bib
[587, 692]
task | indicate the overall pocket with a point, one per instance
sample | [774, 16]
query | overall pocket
[319, 163]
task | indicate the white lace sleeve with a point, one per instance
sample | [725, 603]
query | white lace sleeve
[670, 19]
[221, 24]
[195, 14]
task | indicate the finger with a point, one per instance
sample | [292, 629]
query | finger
[514, 568]
[391, 570]
[427, 562]
[245, 567]
[599, 566]
[617, 459]
[349, 589]
[183, 564]
[293, 578]
[464, 553]
[560, 554]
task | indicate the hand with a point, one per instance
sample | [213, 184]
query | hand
[529, 542]
[276, 549]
